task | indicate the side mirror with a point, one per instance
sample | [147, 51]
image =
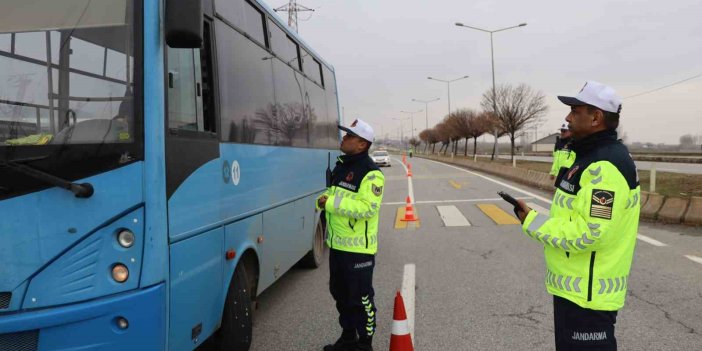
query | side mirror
[184, 23]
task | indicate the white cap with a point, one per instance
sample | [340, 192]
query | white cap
[595, 94]
[361, 129]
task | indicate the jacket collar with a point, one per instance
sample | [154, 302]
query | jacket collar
[592, 141]
[349, 159]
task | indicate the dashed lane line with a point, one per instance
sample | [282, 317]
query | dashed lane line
[452, 217]
[694, 258]
[498, 215]
[408, 283]
[651, 241]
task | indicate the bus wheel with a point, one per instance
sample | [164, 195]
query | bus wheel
[315, 257]
[237, 321]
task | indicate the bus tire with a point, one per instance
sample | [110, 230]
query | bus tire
[237, 319]
[315, 257]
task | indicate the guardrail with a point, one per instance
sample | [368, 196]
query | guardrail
[654, 207]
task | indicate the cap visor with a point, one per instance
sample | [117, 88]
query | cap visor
[347, 130]
[571, 101]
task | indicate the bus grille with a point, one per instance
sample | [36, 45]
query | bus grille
[22, 341]
[5, 299]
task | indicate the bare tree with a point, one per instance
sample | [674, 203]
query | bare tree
[424, 136]
[478, 125]
[517, 108]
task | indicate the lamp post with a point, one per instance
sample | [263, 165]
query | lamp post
[448, 85]
[412, 119]
[492, 55]
[402, 142]
[426, 110]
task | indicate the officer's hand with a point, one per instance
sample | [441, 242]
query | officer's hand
[522, 211]
[322, 201]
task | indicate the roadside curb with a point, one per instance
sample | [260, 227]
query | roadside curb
[694, 211]
[654, 207]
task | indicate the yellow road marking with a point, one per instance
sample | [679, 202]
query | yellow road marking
[497, 214]
[400, 224]
[454, 184]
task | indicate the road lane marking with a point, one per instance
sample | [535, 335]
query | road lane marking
[496, 181]
[400, 224]
[408, 283]
[410, 187]
[497, 214]
[452, 217]
[454, 184]
[651, 241]
[454, 201]
[694, 258]
[538, 208]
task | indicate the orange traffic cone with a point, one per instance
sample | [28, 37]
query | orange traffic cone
[404, 160]
[409, 212]
[409, 169]
[400, 340]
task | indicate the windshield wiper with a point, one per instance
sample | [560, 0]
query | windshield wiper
[84, 190]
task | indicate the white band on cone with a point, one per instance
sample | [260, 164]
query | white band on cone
[400, 327]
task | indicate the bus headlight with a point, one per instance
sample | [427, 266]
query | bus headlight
[125, 238]
[120, 273]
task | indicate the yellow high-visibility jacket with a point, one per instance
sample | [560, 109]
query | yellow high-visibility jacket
[563, 156]
[353, 204]
[590, 234]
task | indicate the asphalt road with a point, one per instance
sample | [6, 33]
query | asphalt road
[687, 168]
[480, 287]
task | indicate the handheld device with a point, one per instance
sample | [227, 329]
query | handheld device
[508, 198]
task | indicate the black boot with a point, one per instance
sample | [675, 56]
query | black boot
[365, 344]
[347, 342]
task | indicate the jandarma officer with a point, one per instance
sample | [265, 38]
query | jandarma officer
[590, 235]
[351, 205]
[563, 156]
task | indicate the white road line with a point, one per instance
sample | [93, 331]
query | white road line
[454, 201]
[651, 241]
[694, 258]
[452, 217]
[410, 187]
[408, 295]
[538, 208]
[497, 182]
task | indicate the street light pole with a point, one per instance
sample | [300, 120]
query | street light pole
[426, 110]
[492, 56]
[448, 85]
[412, 118]
[402, 137]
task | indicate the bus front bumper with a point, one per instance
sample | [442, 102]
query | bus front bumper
[92, 325]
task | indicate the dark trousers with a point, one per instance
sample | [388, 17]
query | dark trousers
[351, 286]
[578, 328]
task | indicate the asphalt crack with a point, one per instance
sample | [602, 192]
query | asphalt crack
[666, 314]
[528, 315]
[484, 255]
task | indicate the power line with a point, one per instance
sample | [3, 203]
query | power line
[292, 8]
[663, 87]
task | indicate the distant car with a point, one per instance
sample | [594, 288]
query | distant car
[381, 158]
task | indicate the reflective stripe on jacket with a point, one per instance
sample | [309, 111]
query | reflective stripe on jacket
[563, 156]
[353, 205]
[590, 234]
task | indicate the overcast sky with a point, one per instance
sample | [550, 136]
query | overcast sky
[383, 52]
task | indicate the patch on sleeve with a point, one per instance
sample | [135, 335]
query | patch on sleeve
[377, 190]
[601, 204]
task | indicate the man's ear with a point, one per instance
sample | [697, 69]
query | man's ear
[598, 119]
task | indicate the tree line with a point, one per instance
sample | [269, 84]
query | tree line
[509, 110]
